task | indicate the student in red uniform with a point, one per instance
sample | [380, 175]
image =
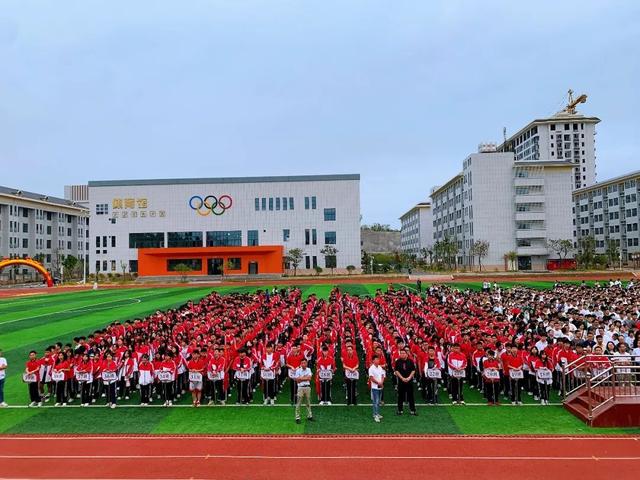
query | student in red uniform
[269, 367]
[145, 379]
[216, 373]
[432, 365]
[242, 368]
[168, 365]
[127, 368]
[197, 367]
[59, 375]
[32, 369]
[109, 370]
[84, 375]
[293, 362]
[543, 366]
[516, 374]
[326, 368]
[457, 363]
[490, 369]
[350, 362]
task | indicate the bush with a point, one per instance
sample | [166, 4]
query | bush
[318, 270]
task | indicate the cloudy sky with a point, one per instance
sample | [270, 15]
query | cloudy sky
[399, 92]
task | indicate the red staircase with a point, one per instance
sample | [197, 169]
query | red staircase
[607, 397]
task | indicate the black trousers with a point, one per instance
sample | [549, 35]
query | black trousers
[294, 391]
[492, 391]
[515, 390]
[145, 393]
[456, 389]
[269, 389]
[325, 390]
[431, 391]
[111, 389]
[167, 391]
[351, 391]
[405, 394]
[61, 392]
[34, 392]
[85, 388]
[243, 391]
[544, 391]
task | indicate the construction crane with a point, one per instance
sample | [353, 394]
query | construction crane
[571, 106]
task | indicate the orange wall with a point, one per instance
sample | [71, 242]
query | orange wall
[153, 261]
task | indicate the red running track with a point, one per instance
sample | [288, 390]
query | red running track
[315, 458]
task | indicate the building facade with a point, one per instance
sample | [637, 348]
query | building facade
[79, 194]
[230, 226]
[416, 230]
[608, 212]
[41, 227]
[565, 136]
[515, 206]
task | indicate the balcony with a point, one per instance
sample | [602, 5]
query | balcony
[540, 233]
[533, 250]
[529, 198]
[528, 181]
[530, 216]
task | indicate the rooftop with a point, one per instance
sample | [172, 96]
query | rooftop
[38, 197]
[220, 180]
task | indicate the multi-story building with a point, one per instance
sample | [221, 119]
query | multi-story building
[608, 212]
[566, 136]
[514, 205]
[41, 227]
[230, 226]
[416, 231]
[79, 194]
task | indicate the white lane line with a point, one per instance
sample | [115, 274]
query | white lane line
[306, 457]
[286, 438]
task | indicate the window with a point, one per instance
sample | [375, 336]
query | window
[25, 243]
[113, 242]
[48, 243]
[145, 240]
[314, 237]
[257, 204]
[307, 262]
[307, 240]
[193, 264]
[25, 228]
[102, 209]
[306, 203]
[104, 265]
[330, 261]
[184, 239]
[277, 203]
[252, 238]
[285, 203]
[234, 264]
[264, 203]
[314, 261]
[232, 238]
[97, 265]
[313, 203]
[133, 266]
[286, 234]
[329, 214]
[270, 203]
[329, 238]
[290, 203]
[113, 265]
[97, 241]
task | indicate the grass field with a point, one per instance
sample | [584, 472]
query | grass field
[28, 323]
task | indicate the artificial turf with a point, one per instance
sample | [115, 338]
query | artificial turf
[35, 322]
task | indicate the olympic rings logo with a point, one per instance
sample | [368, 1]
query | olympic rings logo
[210, 204]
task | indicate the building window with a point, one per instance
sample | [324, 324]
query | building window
[313, 203]
[264, 203]
[98, 241]
[102, 209]
[25, 243]
[277, 203]
[314, 237]
[286, 234]
[144, 240]
[307, 238]
[184, 239]
[329, 214]
[307, 262]
[25, 228]
[113, 242]
[257, 204]
[285, 203]
[306, 203]
[329, 238]
[97, 265]
[330, 261]
[133, 266]
[270, 203]
[193, 264]
[314, 261]
[290, 203]
[252, 238]
[234, 264]
[232, 238]
[104, 265]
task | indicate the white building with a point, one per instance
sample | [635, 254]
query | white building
[41, 227]
[515, 206]
[224, 225]
[566, 136]
[79, 194]
[608, 212]
[416, 231]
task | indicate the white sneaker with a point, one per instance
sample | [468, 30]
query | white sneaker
[113, 405]
[461, 402]
[266, 401]
[376, 419]
[4, 404]
[56, 405]
[171, 404]
[32, 404]
[328, 403]
[273, 402]
[126, 398]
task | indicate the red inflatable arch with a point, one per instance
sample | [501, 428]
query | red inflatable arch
[28, 262]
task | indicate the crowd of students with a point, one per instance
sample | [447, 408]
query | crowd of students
[501, 342]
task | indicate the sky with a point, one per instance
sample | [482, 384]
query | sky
[400, 92]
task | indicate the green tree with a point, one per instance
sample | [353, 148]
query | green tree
[561, 247]
[318, 269]
[586, 251]
[69, 263]
[510, 260]
[612, 252]
[350, 269]
[480, 249]
[294, 256]
[183, 269]
[330, 256]
[379, 227]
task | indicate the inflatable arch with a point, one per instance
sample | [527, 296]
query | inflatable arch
[28, 262]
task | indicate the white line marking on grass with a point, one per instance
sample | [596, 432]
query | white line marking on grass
[307, 457]
[87, 308]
